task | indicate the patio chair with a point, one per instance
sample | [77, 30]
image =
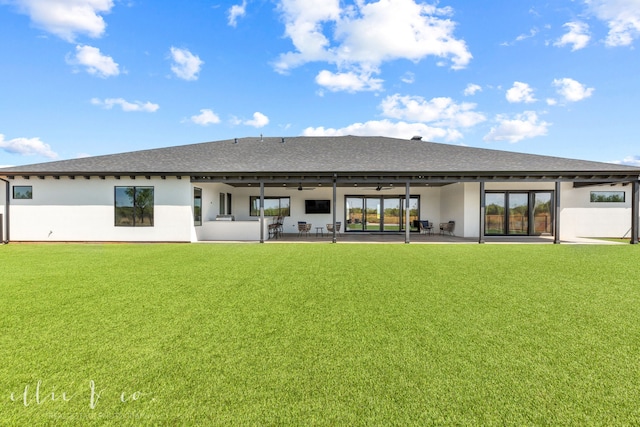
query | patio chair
[276, 227]
[330, 227]
[425, 227]
[303, 227]
[447, 227]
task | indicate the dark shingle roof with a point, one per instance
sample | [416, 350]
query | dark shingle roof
[317, 155]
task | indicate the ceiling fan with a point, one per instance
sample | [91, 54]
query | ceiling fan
[380, 188]
[301, 188]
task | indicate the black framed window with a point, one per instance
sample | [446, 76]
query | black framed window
[607, 196]
[22, 192]
[273, 206]
[197, 206]
[134, 206]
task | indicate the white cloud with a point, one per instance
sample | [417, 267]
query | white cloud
[622, 17]
[629, 161]
[350, 81]
[521, 37]
[237, 11]
[126, 106]
[185, 64]
[577, 36]
[259, 120]
[388, 128]
[438, 119]
[360, 40]
[572, 90]
[95, 62]
[525, 125]
[552, 101]
[472, 89]
[27, 147]
[441, 111]
[408, 78]
[520, 92]
[205, 118]
[67, 18]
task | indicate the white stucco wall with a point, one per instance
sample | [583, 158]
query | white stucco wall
[452, 206]
[581, 218]
[83, 210]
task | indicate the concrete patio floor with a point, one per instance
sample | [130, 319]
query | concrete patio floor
[416, 238]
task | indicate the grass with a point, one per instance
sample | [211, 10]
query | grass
[319, 334]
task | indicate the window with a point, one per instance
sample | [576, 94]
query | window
[22, 192]
[197, 206]
[223, 198]
[134, 206]
[607, 196]
[273, 206]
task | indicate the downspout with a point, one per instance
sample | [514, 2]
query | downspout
[6, 210]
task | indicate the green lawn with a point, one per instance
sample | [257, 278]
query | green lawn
[295, 334]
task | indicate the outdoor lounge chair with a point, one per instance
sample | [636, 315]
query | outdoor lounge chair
[447, 227]
[425, 227]
[330, 227]
[303, 227]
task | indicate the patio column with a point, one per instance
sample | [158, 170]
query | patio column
[556, 217]
[407, 227]
[334, 208]
[482, 212]
[261, 211]
[635, 202]
[7, 207]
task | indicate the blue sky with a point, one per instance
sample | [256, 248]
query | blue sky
[91, 77]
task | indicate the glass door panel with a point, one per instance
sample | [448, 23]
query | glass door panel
[391, 214]
[494, 213]
[355, 218]
[542, 213]
[519, 213]
[372, 217]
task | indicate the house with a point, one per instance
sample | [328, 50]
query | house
[231, 190]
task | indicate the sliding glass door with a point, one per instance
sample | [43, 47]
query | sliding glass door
[372, 218]
[542, 212]
[518, 213]
[373, 213]
[392, 216]
[354, 214]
